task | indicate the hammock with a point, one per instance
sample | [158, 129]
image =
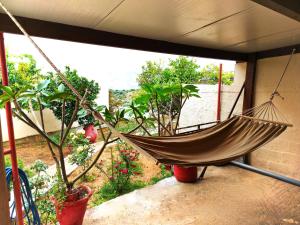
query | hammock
[216, 145]
[219, 144]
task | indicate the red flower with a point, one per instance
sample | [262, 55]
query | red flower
[168, 167]
[124, 171]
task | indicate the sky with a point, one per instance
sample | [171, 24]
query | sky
[113, 68]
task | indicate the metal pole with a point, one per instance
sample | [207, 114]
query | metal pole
[266, 173]
[219, 94]
[11, 136]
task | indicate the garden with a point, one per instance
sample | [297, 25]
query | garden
[105, 167]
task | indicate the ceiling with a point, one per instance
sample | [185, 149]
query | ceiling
[232, 25]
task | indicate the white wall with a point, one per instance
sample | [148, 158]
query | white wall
[52, 124]
[204, 109]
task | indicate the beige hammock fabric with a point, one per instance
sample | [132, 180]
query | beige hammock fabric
[219, 144]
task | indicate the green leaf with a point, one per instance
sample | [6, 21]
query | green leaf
[8, 90]
[81, 113]
[61, 88]
[43, 84]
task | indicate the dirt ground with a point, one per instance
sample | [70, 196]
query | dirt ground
[34, 148]
[150, 169]
[227, 196]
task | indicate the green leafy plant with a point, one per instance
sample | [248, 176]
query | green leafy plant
[39, 186]
[82, 150]
[210, 75]
[181, 70]
[120, 173]
[162, 103]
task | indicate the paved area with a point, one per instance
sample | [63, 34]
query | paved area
[228, 195]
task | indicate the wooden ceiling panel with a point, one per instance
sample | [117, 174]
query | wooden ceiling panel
[73, 12]
[268, 42]
[168, 19]
[252, 24]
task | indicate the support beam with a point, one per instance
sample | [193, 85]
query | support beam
[278, 51]
[249, 90]
[86, 35]
[289, 8]
[4, 207]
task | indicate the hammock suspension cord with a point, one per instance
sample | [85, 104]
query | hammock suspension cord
[275, 92]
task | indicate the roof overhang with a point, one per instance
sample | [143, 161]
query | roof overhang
[219, 29]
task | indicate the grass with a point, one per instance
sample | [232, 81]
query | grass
[107, 191]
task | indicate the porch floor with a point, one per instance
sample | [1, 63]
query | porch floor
[228, 195]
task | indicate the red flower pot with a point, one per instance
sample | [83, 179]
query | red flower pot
[185, 174]
[72, 212]
[91, 133]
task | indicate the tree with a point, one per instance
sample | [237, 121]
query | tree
[81, 84]
[181, 70]
[22, 70]
[210, 75]
[41, 94]
[163, 104]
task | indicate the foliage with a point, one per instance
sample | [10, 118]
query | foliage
[210, 75]
[181, 70]
[39, 185]
[21, 165]
[81, 84]
[22, 70]
[82, 150]
[120, 172]
[163, 103]
[107, 191]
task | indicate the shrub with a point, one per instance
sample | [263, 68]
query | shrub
[82, 150]
[39, 184]
[120, 172]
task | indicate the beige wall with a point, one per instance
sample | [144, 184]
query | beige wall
[283, 154]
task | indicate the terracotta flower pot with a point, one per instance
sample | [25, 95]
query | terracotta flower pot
[185, 174]
[91, 133]
[71, 212]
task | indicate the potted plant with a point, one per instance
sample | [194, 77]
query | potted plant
[163, 103]
[70, 199]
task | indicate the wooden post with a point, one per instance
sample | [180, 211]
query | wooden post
[249, 91]
[4, 207]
